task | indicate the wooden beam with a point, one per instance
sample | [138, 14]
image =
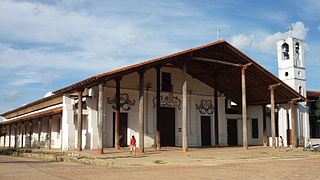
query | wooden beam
[22, 133]
[49, 131]
[10, 136]
[39, 132]
[184, 108]
[216, 117]
[244, 107]
[101, 116]
[273, 116]
[79, 121]
[30, 134]
[15, 136]
[217, 61]
[158, 142]
[141, 112]
[293, 123]
[117, 119]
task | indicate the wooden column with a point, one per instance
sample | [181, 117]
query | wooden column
[141, 112]
[158, 139]
[39, 133]
[244, 107]
[49, 132]
[23, 130]
[9, 135]
[79, 121]
[273, 114]
[101, 116]
[30, 134]
[15, 135]
[293, 124]
[265, 138]
[184, 108]
[117, 120]
[5, 133]
[216, 117]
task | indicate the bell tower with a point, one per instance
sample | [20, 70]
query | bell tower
[291, 70]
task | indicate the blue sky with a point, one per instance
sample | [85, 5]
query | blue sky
[49, 44]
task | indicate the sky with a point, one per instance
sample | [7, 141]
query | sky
[49, 44]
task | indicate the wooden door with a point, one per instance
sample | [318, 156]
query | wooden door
[232, 130]
[205, 131]
[122, 130]
[166, 126]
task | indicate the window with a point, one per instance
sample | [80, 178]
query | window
[166, 82]
[297, 48]
[300, 89]
[285, 51]
[255, 130]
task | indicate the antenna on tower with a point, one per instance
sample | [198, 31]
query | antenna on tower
[290, 29]
[218, 33]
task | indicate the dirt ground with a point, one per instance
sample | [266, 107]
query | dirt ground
[171, 163]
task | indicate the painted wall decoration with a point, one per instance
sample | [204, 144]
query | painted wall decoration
[166, 101]
[205, 107]
[125, 102]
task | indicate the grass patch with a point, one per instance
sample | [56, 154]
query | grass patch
[159, 162]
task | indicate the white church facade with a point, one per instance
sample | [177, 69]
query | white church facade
[212, 95]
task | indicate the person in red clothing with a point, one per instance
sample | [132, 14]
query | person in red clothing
[133, 145]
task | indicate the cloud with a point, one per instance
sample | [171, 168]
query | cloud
[11, 96]
[25, 77]
[266, 42]
[241, 40]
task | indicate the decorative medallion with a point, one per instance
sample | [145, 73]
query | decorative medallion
[205, 107]
[168, 101]
[125, 102]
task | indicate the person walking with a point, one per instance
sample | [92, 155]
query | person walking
[133, 145]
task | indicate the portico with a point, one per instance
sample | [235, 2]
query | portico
[193, 91]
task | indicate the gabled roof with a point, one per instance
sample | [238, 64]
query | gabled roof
[226, 79]
[313, 93]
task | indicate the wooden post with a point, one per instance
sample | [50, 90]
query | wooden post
[265, 138]
[23, 130]
[5, 133]
[49, 132]
[79, 121]
[184, 109]
[30, 133]
[216, 117]
[101, 116]
[141, 112]
[244, 107]
[39, 133]
[9, 135]
[293, 124]
[273, 114]
[158, 140]
[15, 135]
[117, 120]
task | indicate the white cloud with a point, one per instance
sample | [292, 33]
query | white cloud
[266, 42]
[11, 96]
[242, 41]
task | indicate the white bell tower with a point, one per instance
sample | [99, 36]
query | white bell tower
[291, 70]
[291, 67]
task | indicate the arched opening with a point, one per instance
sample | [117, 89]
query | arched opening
[285, 51]
[300, 89]
[297, 48]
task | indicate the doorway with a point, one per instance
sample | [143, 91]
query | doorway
[205, 131]
[122, 129]
[232, 130]
[166, 126]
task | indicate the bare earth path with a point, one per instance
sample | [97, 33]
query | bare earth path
[242, 165]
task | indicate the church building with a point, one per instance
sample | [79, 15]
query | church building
[212, 95]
